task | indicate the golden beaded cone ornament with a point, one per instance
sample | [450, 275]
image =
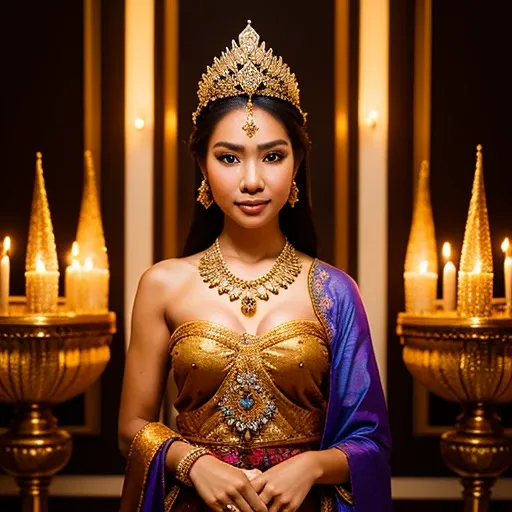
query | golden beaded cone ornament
[475, 270]
[41, 264]
[248, 68]
[216, 274]
[420, 272]
[90, 236]
[41, 240]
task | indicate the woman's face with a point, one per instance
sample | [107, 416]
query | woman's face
[250, 178]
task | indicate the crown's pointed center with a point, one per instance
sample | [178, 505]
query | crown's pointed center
[249, 39]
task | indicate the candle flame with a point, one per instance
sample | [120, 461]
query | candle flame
[75, 250]
[478, 267]
[447, 250]
[423, 267]
[7, 245]
[40, 266]
[88, 265]
[505, 246]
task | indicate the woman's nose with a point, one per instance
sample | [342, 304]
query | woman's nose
[252, 179]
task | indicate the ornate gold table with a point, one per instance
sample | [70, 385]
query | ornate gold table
[45, 360]
[466, 360]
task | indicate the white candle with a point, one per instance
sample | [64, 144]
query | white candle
[507, 273]
[449, 280]
[86, 286]
[508, 281]
[5, 276]
[420, 290]
[72, 279]
[94, 289]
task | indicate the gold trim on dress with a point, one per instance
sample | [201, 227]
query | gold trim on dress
[344, 494]
[321, 316]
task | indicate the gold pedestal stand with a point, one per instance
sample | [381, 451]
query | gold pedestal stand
[466, 360]
[45, 360]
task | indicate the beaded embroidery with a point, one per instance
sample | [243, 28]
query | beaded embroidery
[246, 407]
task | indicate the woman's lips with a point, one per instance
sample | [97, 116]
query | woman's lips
[252, 208]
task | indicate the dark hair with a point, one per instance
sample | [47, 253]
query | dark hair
[296, 223]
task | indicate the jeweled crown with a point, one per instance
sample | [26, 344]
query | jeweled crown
[248, 68]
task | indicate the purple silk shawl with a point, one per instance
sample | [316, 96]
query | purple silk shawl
[357, 422]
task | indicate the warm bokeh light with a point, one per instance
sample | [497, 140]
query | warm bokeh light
[505, 246]
[371, 118]
[139, 123]
[478, 267]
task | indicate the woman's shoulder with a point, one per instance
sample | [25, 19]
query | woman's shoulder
[336, 279]
[171, 274]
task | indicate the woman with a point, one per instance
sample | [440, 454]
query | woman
[279, 399]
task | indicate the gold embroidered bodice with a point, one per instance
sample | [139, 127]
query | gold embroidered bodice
[246, 390]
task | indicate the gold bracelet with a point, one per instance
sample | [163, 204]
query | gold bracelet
[185, 464]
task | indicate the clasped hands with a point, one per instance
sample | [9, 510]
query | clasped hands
[281, 488]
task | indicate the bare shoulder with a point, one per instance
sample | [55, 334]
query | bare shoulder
[169, 277]
[306, 260]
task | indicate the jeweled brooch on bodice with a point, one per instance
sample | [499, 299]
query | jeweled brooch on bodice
[246, 407]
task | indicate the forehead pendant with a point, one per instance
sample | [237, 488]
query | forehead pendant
[249, 127]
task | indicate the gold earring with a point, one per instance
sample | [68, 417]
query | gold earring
[205, 194]
[294, 194]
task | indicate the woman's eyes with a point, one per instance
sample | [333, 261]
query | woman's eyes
[228, 159]
[273, 157]
[232, 159]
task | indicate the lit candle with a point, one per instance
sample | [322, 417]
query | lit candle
[86, 285]
[95, 281]
[449, 280]
[72, 279]
[507, 272]
[421, 289]
[42, 287]
[5, 275]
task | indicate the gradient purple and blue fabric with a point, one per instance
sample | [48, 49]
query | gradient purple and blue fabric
[154, 490]
[357, 419]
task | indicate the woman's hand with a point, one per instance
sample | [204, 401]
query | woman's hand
[285, 486]
[220, 484]
[251, 474]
